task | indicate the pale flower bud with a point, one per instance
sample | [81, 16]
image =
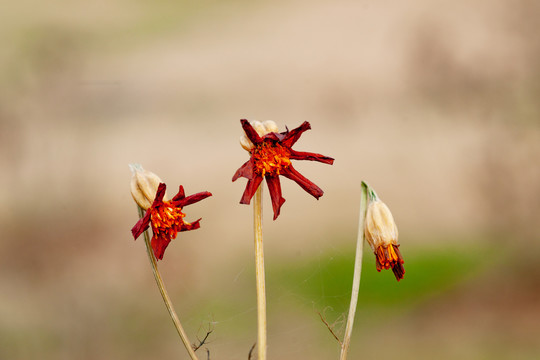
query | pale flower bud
[259, 127]
[262, 128]
[380, 229]
[144, 185]
[270, 126]
[381, 233]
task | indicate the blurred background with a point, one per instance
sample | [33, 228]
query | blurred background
[434, 103]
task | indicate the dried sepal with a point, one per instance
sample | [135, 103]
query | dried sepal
[380, 227]
[262, 128]
[144, 185]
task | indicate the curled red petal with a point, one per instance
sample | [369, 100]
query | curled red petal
[399, 271]
[141, 225]
[274, 186]
[159, 244]
[193, 226]
[301, 180]
[378, 264]
[251, 188]
[144, 222]
[181, 194]
[192, 199]
[160, 193]
[245, 170]
[250, 132]
[292, 136]
[302, 155]
[275, 136]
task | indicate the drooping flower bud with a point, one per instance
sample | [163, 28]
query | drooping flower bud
[380, 226]
[382, 235]
[144, 185]
[262, 128]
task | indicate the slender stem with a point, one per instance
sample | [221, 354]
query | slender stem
[166, 299]
[259, 274]
[357, 273]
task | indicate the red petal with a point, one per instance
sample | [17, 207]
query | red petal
[301, 180]
[194, 225]
[250, 132]
[399, 271]
[141, 225]
[192, 199]
[160, 193]
[251, 188]
[292, 136]
[159, 245]
[245, 170]
[274, 186]
[378, 264]
[275, 136]
[144, 222]
[301, 155]
[181, 194]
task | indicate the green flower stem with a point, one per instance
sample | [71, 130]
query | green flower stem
[370, 192]
[357, 273]
[163, 291]
[259, 274]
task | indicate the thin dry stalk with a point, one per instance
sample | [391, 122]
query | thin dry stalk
[357, 273]
[259, 274]
[165, 295]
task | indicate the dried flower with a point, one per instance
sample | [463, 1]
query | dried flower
[165, 217]
[382, 234]
[270, 156]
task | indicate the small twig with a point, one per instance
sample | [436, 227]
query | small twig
[203, 341]
[251, 351]
[207, 354]
[330, 328]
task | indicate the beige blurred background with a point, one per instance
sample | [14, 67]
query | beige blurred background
[434, 103]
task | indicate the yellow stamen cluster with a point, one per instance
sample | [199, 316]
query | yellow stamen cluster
[269, 158]
[388, 256]
[167, 220]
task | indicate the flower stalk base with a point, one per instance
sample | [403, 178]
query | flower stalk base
[259, 274]
[165, 295]
[357, 273]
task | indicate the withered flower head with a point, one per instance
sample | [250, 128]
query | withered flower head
[270, 156]
[165, 217]
[382, 234]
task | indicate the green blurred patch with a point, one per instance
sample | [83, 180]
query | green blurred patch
[326, 279]
[164, 16]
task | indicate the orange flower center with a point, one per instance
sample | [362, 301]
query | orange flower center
[167, 220]
[270, 158]
[388, 256]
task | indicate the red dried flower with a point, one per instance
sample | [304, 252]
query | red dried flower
[270, 157]
[167, 218]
